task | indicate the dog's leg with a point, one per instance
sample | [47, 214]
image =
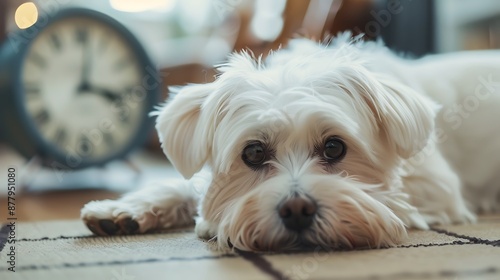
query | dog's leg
[435, 189]
[172, 204]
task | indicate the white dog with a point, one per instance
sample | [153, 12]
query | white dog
[343, 145]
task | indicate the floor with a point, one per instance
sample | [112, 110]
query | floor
[54, 205]
[66, 250]
[40, 196]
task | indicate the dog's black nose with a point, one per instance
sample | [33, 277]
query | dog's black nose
[297, 213]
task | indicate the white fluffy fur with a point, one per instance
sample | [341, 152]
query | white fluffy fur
[408, 157]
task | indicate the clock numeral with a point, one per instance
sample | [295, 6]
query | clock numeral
[108, 139]
[121, 110]
[129, 91]
[81, 35]
[37, 59]
[55, 41]
[135, 94]
[31, 88]
[42, 117]
[123, 116]
[122, 63]
[84, 147]
[103, 45]
[60, 136]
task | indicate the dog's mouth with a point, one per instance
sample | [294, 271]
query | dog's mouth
[302, 241]
[305, 242]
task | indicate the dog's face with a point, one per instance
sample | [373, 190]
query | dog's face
[304, 148]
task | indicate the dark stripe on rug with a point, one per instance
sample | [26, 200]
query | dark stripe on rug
[330, 251]
[261, 263]
[96, 236]
[475, 240]
[4, 234]
[257, 260]
[55, 238]
[457, 242]
[447, 274]
[123, 262]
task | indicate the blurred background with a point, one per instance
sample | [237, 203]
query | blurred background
[185, 38]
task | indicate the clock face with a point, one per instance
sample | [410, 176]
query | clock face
[82, 84]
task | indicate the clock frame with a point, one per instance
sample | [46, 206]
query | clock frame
[17, 126]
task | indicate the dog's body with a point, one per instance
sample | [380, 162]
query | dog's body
[337, 146]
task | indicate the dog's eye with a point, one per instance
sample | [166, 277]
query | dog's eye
[254, 154]
[335, 149]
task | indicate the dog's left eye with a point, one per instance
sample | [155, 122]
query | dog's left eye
[334, 149]
[254, 154]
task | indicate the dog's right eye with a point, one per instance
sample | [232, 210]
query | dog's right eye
[254, 154]
[334, 149]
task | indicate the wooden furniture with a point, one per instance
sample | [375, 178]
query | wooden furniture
[3, 20]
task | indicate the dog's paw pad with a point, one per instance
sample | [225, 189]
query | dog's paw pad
[128, 225]
[102, 227]
[95, 228]
[108, 226]
[109, 217]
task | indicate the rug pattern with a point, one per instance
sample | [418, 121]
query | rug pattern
[67, 250]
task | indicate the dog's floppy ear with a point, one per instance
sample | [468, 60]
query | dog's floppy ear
[183, 136]
[406, 117]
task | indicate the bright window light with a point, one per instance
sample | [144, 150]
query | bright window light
[267, 22]
[134, 6]
[26, 15]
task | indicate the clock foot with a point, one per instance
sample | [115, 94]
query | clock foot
[32, 167]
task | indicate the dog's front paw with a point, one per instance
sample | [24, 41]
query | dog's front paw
[111, 217]
[156, 207]
[205, 229]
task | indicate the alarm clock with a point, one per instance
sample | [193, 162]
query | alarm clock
[76, 89]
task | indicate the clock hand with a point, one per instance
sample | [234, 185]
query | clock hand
[86, 66]
[106, 93]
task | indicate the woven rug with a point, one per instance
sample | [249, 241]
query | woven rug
[66, 250]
